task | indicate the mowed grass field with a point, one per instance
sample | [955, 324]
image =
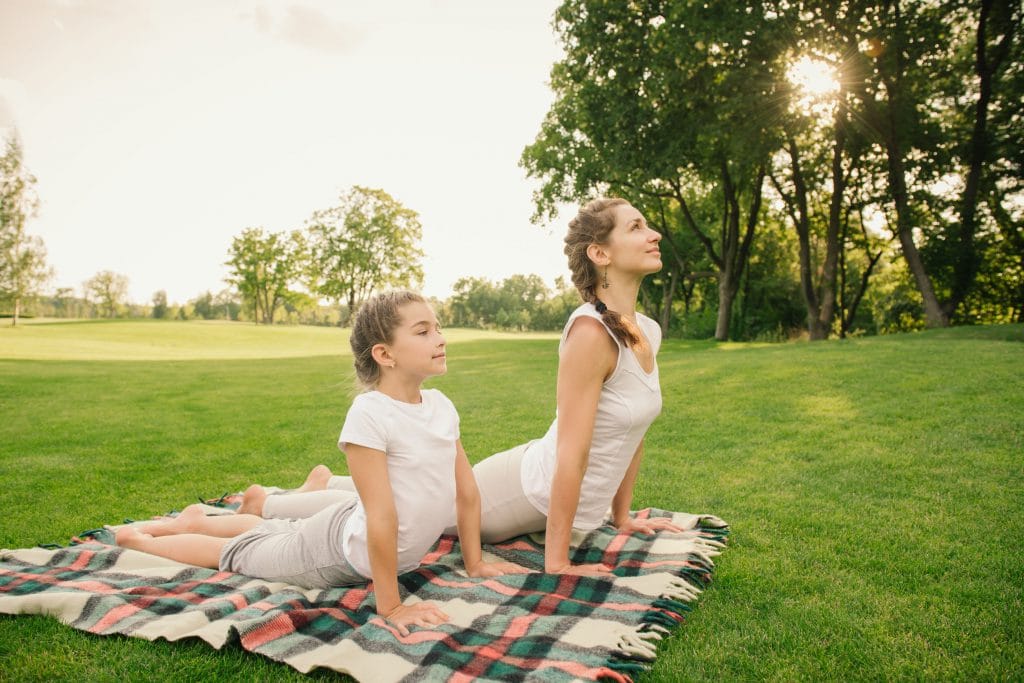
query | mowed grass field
[875, 487]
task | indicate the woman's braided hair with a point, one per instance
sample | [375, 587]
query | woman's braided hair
[592, 225]
[375, 323]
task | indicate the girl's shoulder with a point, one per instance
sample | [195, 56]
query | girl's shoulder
[437, 397]
[367, 399]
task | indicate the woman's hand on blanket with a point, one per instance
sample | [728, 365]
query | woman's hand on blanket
[424, 614]
[486, 569]
[648, 526]
[600, 570]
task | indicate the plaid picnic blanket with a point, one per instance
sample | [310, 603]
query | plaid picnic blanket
[520, 627]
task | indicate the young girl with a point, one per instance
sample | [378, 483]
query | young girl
[608, 394]
[408, 469]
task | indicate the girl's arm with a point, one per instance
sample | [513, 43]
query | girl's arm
[369, 470]
[624, 498]
[588, 357]
[467, 506]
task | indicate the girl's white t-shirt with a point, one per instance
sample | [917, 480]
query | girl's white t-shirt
[630, 400]
[418, 440]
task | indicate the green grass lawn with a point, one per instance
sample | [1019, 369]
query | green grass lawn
[875, 487]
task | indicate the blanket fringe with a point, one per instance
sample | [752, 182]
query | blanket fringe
[620, 672]
[682, 590]
[637, 650]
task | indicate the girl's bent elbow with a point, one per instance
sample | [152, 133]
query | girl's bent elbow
[467, 499]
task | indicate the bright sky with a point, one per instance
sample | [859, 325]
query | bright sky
[160, 129]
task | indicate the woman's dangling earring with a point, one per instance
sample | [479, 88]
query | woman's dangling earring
[604, 279]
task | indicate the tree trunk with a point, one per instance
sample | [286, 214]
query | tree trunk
[933, 312]
[833, 245]
[351, 305]
[865, 276]
[666, 303]
[17, 311]
[898, 184]
[725, 300]
[802, 222]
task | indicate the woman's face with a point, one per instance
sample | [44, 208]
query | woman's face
[632, 245]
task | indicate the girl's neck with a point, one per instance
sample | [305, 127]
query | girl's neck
[621, 296]
[400, 388]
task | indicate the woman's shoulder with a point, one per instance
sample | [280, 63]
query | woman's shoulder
[587, 328]
[650, 326]
[585, 309]
[589, 341]
[584, 312]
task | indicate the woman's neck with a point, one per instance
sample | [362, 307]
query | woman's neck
[621, 297]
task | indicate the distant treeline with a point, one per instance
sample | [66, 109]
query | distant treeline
[519, 303]
[768, 307]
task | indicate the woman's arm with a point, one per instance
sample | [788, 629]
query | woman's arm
[624, 495]
[588, 357]
[467, 506]
[370, 474]
[624, 498]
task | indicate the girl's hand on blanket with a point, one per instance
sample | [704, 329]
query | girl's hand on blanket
[486, 569]
[599, 570]
[424, 614]
[648, 526]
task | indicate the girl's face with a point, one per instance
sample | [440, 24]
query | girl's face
[632, 246]
[418, 347]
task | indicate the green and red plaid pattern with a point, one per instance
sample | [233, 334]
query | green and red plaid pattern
[518, 627]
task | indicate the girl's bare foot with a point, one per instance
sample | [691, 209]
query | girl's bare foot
[317, 479]
[252, 500]
[183, 523]
[129, 537]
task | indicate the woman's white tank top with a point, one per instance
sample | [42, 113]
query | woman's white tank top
[630, 400]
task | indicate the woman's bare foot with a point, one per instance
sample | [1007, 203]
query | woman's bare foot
[183, 523]
[253, 499]
[317, 479]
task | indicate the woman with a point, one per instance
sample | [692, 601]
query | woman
[607, 396]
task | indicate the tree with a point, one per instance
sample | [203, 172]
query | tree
[23, 268]
[203, 306]
[65, 305]
[226, 304]
[915, 68]
[263, 267]
[160, 305]
[108, 290]
[474, 302]
[367, 242]
[521, 296]
[665, 99]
